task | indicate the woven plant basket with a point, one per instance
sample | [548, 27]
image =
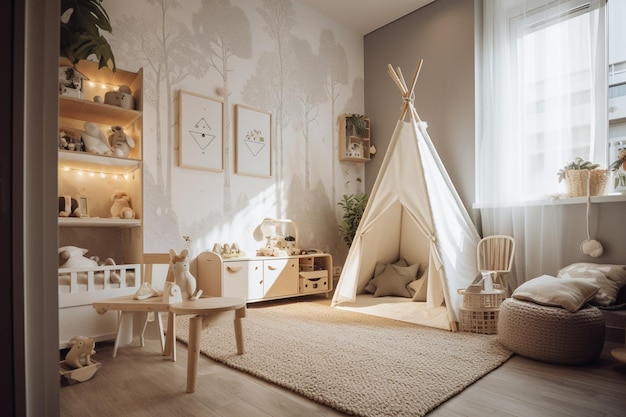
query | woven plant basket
[576, 182]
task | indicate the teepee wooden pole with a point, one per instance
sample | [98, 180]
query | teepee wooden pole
[416, 75]
[401, 77]
[396, 80]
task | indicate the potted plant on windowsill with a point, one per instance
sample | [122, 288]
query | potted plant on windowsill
[618, 170]
[578, 172]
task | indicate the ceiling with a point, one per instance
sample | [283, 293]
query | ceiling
[365, 16]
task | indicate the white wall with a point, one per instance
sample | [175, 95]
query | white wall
[291, 71]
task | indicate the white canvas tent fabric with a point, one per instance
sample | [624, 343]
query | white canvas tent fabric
[413, 212]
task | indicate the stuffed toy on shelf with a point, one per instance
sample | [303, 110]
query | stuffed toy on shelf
[95, 140]
[121, 208]
[68, 206]
[120, 142]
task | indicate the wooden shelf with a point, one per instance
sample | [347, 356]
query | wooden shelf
[90, 111]
[97, 222]
[83, 161]
[353, 148]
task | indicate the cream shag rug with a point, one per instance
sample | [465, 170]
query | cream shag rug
[356, 363]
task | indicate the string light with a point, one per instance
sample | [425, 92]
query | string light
[103, 86]
[94, 173]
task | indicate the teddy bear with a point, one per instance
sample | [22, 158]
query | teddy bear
[74, 257]
[121, 206]
[68, 207]
[120, 142]
[95, 140]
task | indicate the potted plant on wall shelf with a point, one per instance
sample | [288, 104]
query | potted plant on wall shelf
[577, 172]
[81, 22]
[353, 207]
[355, 125]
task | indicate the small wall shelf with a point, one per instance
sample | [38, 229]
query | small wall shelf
[353, 148]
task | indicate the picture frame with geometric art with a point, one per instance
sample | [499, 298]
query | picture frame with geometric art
[253, 142]
[200, 132]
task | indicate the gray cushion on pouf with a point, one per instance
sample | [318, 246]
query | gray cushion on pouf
[551, 334]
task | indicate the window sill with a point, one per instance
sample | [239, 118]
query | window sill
[556, 201]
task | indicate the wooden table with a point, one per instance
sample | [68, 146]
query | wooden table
[128, 304]
[207, 312]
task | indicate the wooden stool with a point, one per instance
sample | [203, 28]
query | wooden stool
[207, 312]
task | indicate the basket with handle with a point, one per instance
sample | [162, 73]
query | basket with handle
[481, 305]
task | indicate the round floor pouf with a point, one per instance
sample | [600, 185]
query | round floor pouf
[551, 334]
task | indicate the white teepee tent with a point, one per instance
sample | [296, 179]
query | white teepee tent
[413, 213]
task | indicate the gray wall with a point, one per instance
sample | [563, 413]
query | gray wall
[442, 34]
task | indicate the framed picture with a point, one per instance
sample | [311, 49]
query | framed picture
[83, 209]
[201, 135]
[253, 142]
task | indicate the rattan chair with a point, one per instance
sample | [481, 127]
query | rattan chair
[495, 254]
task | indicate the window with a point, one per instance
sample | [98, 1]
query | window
[544, 95]
[617, 86]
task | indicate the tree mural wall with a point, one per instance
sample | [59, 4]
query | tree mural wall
[222, 32]
[275, 55]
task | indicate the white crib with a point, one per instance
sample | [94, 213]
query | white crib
[79, 288]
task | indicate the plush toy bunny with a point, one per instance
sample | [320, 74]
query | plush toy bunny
[74, 257]
[179, 273]
[95, 141]
[120, 142]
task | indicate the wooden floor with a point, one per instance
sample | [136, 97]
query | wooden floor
[140, 382]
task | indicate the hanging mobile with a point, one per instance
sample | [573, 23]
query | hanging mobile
[590, 246]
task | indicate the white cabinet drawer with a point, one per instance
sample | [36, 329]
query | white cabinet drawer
[241, 279]
[280, 277]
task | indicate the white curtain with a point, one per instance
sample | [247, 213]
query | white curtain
[542, 103]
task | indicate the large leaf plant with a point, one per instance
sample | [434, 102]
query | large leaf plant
[81, 22]
[353, 207]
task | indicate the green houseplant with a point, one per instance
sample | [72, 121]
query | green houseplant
[353, 207]
[81, 22]
[356, 125]
[618, 167]
[577, 164]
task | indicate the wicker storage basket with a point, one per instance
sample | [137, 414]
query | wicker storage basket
[480, 310]
[576, 181]
[479, 321]
[483, 299]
